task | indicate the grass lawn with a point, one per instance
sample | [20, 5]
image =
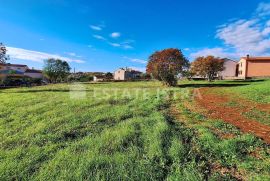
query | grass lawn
[126, 131]
[255, 90]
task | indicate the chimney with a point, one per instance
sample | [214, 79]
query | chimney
[248, 56]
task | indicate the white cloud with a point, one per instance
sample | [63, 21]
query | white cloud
[71, 54]
[123, 45]
[266, 31]
[35, 56]
[127, 44]
[243, 36]
[136, 60]
[217, 52]
[115, 44]
[99, 37]
[128, 47]
[246, 36]
[96, 28]
[263, 9]
[187, 49]
[115, 35]
[92, 47]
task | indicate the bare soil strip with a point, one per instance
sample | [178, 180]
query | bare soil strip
[216, 108]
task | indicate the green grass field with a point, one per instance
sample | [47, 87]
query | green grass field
[125, 131]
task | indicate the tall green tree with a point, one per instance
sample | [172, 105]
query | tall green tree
[56, 70]
[3, 53]
[165, 65]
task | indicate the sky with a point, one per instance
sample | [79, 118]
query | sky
[104, 35]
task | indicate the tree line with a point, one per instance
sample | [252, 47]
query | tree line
[164, 65]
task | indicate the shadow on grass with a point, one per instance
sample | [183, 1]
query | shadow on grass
[249, 80]
[95, 83]
[210, 85]
[51, 90]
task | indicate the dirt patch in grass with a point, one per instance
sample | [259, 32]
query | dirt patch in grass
[236, 174]
[256, 154]
[223, 135]
[264, 107]
[216, 107]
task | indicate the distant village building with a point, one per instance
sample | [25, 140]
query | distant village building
[19, 71]
[12, 70]
[99, 78]
[230, 70]
[127, 74]
[35, 74]
[247, 67]
[252, 67]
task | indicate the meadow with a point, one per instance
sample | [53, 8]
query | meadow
[128, 131]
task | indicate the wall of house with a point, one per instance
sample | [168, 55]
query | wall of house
[34, 75]
[20, 69]
[2, 67]
[230, 69]
[242, 68]
[96, 79]
[119, 75]
[258, 68]
[1, 75]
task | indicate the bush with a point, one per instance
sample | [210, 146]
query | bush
[80, 77]
[15, 81]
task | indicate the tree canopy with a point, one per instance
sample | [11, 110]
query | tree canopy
[207, 67]
[56, 70]
[165, 65]
[109, 75]
[3, 53]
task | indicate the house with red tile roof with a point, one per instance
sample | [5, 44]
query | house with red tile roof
[19, 71]
[254, 67]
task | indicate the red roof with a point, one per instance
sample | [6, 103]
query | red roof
[256, 58]
[33, 71]
[13, 65]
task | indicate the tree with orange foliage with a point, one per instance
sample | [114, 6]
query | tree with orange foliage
[207, 67]
[165, 65]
